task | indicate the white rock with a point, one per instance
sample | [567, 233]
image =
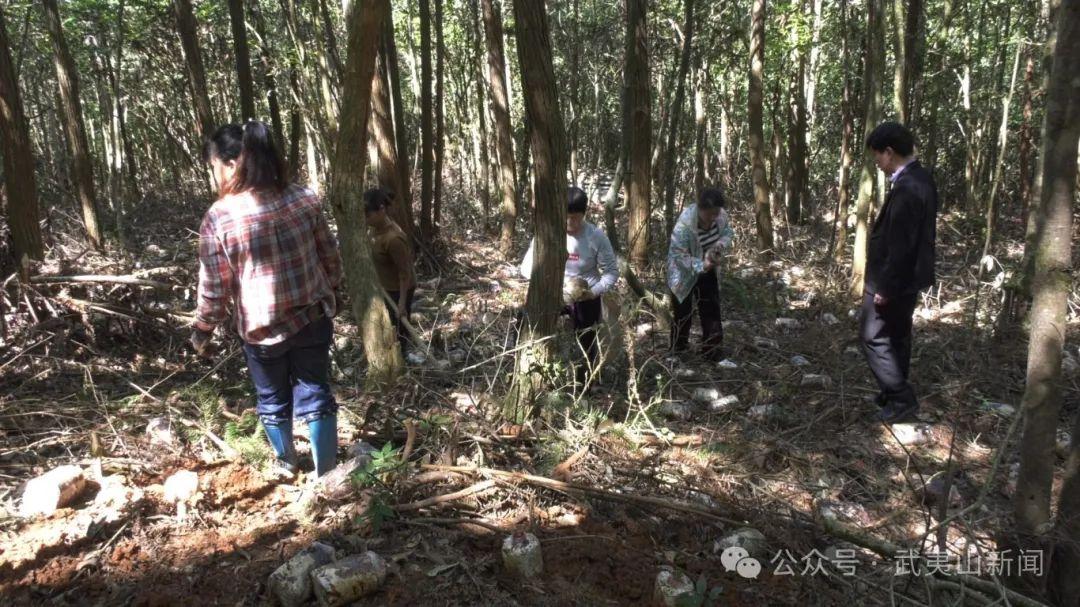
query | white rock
[747, 272]
[725, 403]
[182, 489]
[909, 434]
[643, 329]
[338, 483]
[811, 380]
[800, 361]
[788, 324]
[705, 395]
[415, 358]
[55, 489]
[159, 431]
[829, 318]
[291, 582]
[727, 364]
[349, 579]
[677, 410]
[765, 342]
[762, 411]
[747, 537]
[521, 555]
[850, 511]
[852, 351]
[1002, 409]
[730, 325]
[115, 497]
[685, 372]
[672, 588]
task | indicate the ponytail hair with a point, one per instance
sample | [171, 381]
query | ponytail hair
[258, 163]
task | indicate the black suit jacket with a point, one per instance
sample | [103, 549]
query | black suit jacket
[900, 257]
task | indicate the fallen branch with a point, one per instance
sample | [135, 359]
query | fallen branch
[449, 497]
[550, 483]
[889, 551]
[98, 279]
[454, 521]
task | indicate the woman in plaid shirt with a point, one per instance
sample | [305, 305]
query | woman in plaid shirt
[266, 253]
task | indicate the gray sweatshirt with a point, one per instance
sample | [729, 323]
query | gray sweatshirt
[589, 255]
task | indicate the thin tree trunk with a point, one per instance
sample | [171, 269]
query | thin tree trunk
[75, 131]
[797, 133]
[187, 29]
[637, 85]
[676, 116]
[19, 180]
[266, 60]
[700, 124]
[1003, 138]
[331, 40]
[548, 143]
[405, 197]
[243, 59]
[755, 100]
[500, 110]
[912, 58]
[440, 119]
[482, 190]
[388, 171]
[1025, 136]
[427, 149]
[1041, 404]
[872, 73]
[846, 133]
[364, 22]
[900, 93]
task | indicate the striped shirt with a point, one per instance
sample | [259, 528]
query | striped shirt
[271, 256]
[709, 236]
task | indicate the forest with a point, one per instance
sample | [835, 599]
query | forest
[505, 427]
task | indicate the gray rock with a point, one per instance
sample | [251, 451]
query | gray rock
[349, 579]
[724, 403]
[672, 588]
[677, 410]
[752, 540]
[800, 361]
[1002, 409]
[727, 364]
[766, 343]
[159, 431]
[788, 324]
[763, 411]
[811, 380]
[830, 319]
[291, 582]
[934, 489]
[521, 555]
[910, 434]
[705, 395]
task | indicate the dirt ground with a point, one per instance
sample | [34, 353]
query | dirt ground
[85, 366]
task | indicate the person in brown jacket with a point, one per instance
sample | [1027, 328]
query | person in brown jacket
[393, 257]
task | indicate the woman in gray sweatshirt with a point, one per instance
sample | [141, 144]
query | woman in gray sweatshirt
[591, 270]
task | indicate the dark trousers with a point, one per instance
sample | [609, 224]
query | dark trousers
[585, 315]
[402, 334]
[885, 332]
[292, 378]
[706, 296]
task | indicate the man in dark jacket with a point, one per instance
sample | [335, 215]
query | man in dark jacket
[900, 263]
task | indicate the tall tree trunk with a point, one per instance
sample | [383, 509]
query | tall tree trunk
[266, 60]
[243, 60]
[20, 184]
[1025, 136]
[364, 22]
[482, 191]
[1041, 404]
[500, 111]
[873, 69]
[548, 143]
[700, 124]
[846, 133]
[810, 78]
[676, 116]
[394, 75]
[913, 59]
[755, 100]
[797, 134]
[427, 148]
[637, 86]
[330, 37]
[1003, 138]
[388, 172]
[900, 93]
[187, 29]
[440, 118]
[75, 132]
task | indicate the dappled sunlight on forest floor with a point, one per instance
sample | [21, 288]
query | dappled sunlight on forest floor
[646, 468]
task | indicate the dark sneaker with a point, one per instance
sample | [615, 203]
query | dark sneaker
[897, 412]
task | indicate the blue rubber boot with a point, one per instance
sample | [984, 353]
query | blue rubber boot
[323, 435]
[280, 436]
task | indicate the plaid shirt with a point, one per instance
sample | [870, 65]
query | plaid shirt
[271, 255]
